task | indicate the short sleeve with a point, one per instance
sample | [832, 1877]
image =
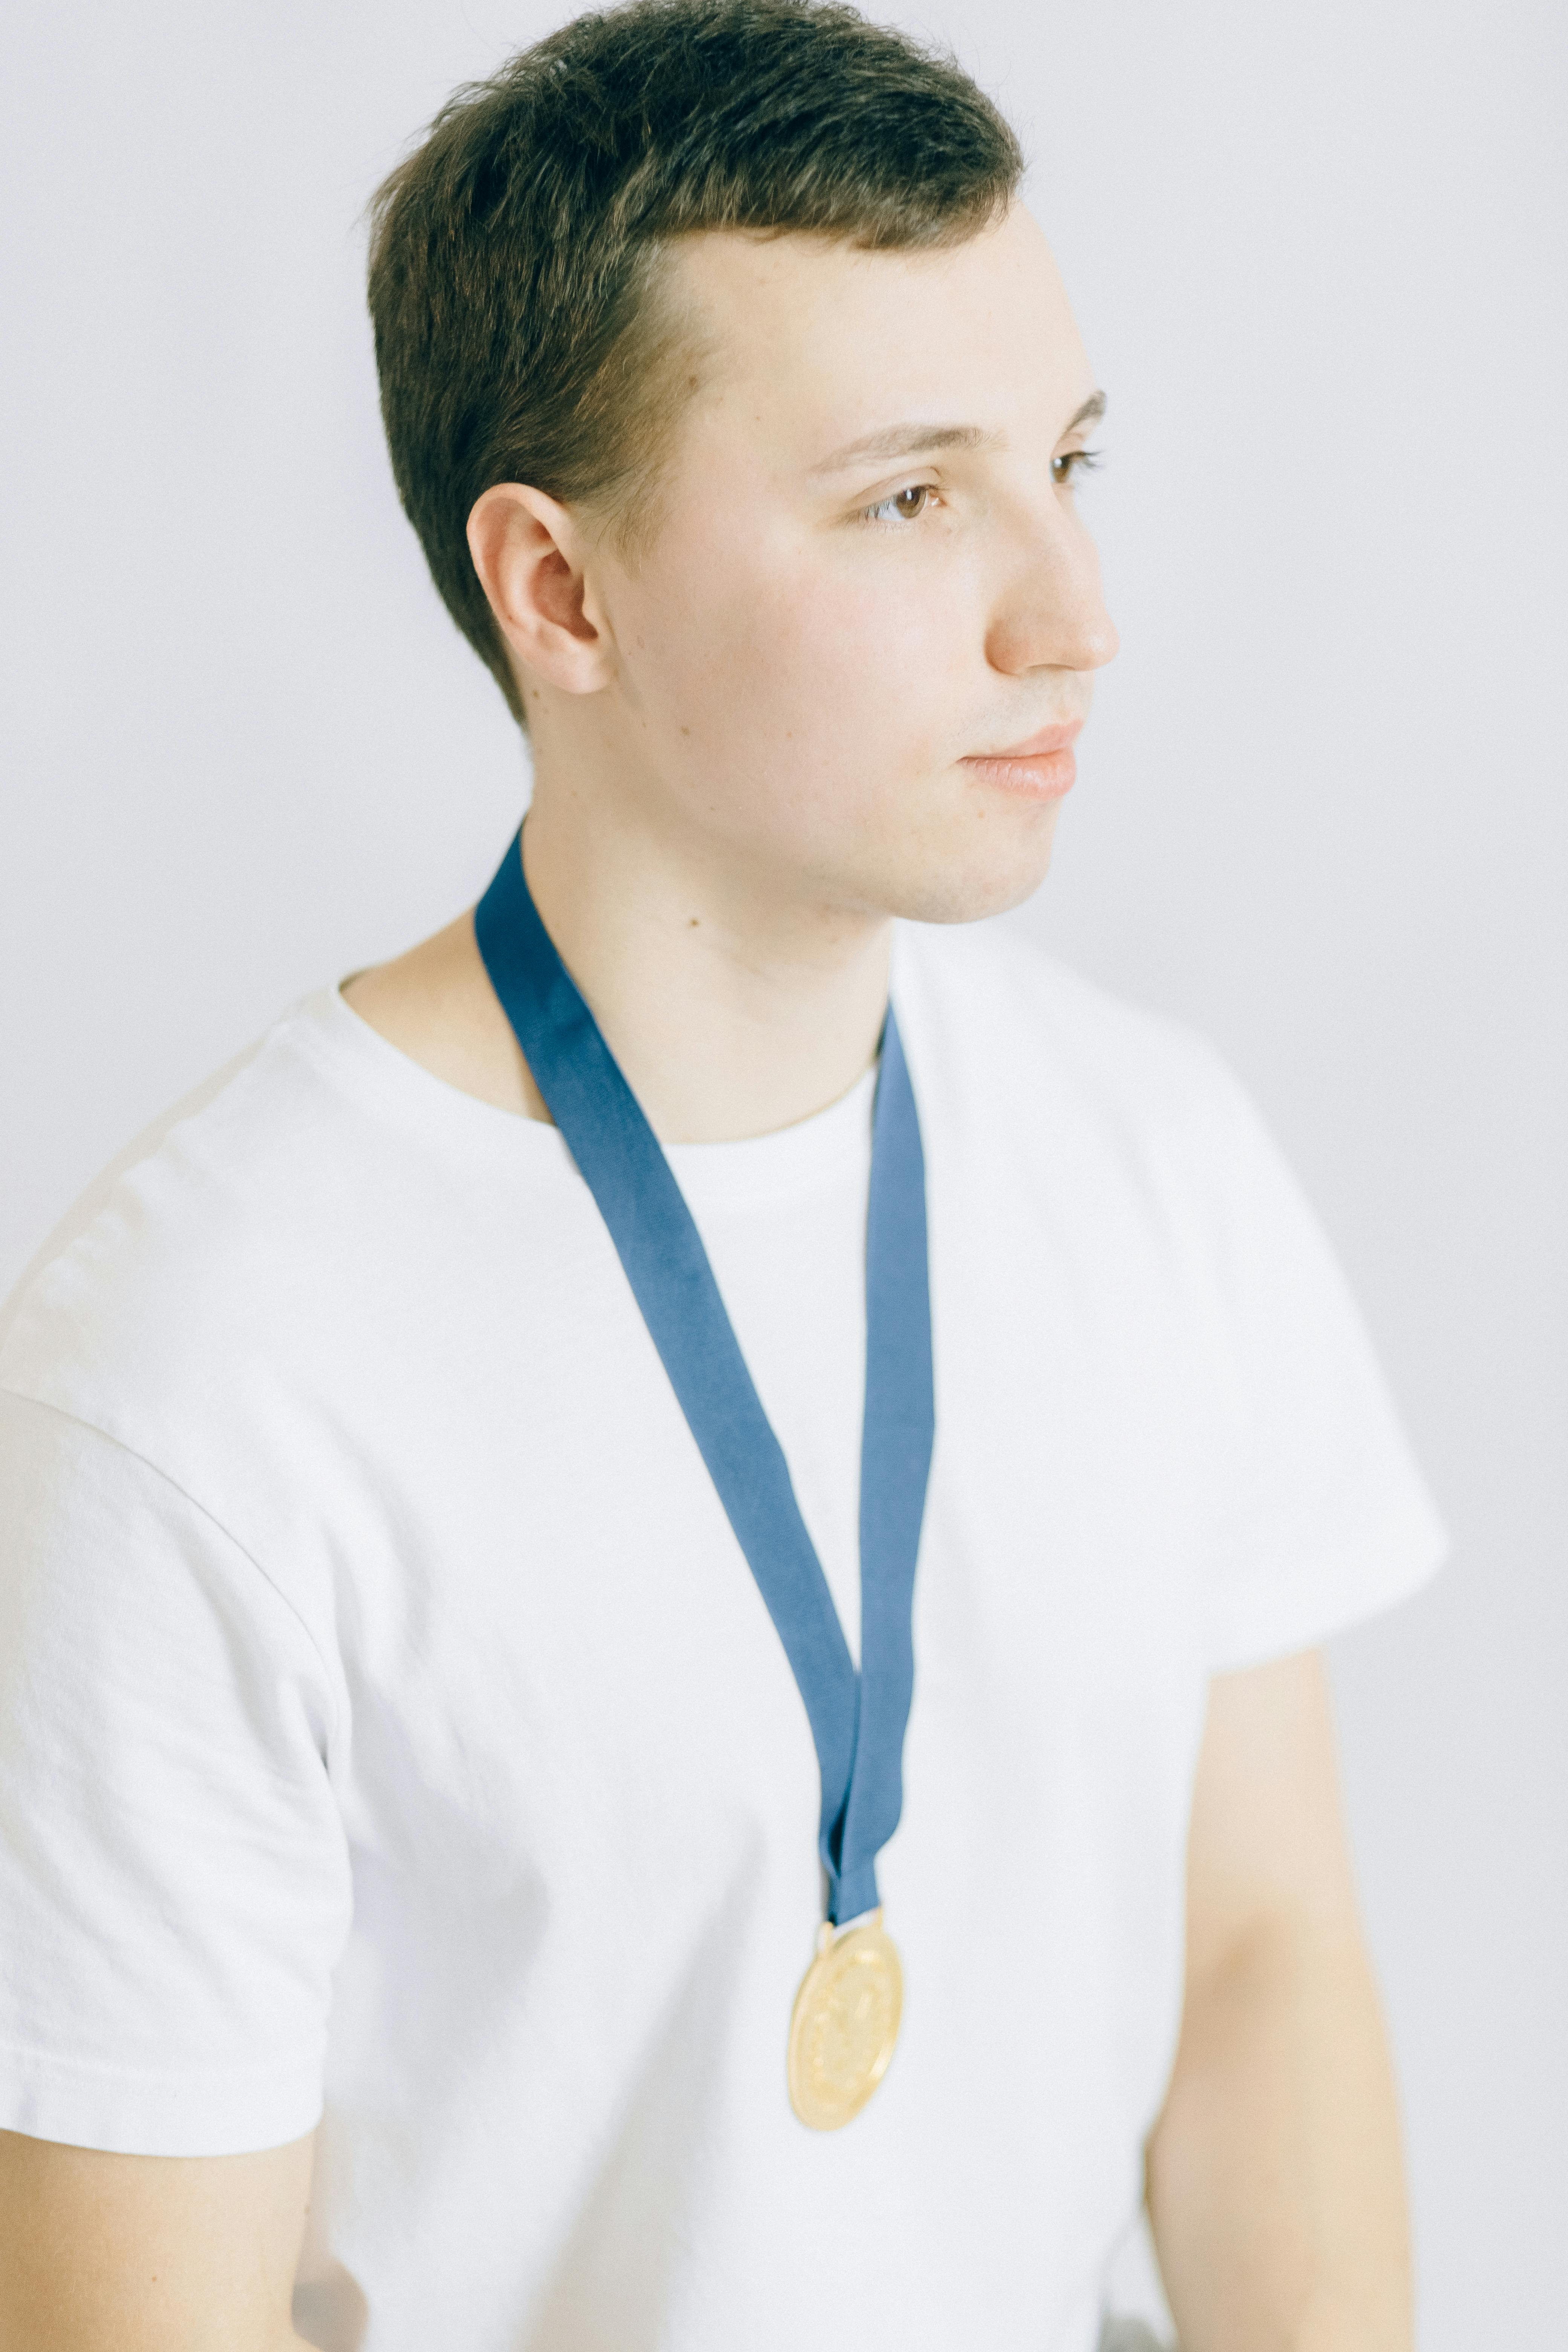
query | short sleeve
[1323, 1519]
[173, 1874]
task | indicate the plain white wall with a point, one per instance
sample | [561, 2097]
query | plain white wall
[1318, 253]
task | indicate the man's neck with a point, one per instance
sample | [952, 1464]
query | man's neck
[734, 1007]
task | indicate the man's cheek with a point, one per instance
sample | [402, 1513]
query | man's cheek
[872, 647]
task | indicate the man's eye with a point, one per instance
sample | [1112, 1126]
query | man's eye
[1067, 468]
[903, 506]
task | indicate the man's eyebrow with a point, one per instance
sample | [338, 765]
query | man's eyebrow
[906, 441]
[892, 441]
[1091, 412]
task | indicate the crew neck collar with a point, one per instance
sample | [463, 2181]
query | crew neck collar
[830, 1145]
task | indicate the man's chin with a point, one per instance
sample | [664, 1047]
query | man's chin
[978, 878]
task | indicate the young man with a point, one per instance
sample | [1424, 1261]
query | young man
[458, 1889]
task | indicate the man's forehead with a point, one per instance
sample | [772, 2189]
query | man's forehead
[825, 343]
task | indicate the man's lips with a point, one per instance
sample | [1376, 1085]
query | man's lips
[1042, 765]
[1049, 739]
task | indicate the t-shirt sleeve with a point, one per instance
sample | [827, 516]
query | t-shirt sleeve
[1322, 1518]
[174, 1873]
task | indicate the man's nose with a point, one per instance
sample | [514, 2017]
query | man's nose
[1050, 612]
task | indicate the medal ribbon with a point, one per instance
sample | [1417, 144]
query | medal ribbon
[857, 1719]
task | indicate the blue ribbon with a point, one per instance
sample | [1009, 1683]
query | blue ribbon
[857, 1721]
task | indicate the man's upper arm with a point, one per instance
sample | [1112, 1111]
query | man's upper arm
[1274, 2176]
[1267, 1847]
[149, 2254]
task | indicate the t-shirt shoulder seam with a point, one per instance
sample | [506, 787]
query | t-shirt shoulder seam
[1159, 1069]
[96, 1429]
[81, 1217]
[1017, 955]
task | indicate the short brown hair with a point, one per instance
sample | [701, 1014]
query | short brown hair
[513, 255]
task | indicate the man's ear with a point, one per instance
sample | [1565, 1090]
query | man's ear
[527, 552]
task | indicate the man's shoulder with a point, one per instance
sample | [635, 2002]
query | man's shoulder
[192, 1218]
[997, 1013]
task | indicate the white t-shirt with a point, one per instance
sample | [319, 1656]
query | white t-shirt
[388, 1718]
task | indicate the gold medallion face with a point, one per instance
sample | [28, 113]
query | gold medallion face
[845, 2024]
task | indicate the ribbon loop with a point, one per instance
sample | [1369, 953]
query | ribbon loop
[857, 1719]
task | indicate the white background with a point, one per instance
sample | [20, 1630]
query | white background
[1318, 252]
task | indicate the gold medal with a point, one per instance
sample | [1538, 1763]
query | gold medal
[845, 2024]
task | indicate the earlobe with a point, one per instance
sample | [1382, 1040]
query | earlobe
[527, 552]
